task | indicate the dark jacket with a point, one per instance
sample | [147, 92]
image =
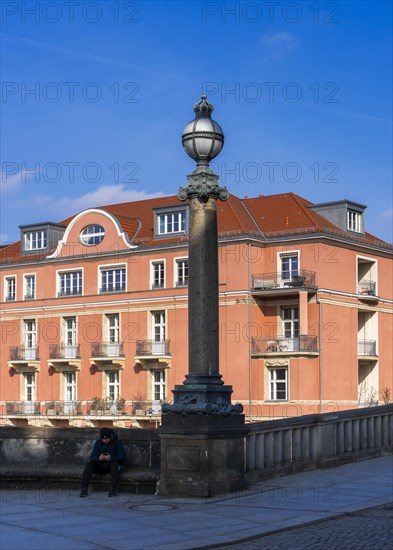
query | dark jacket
[114, 447]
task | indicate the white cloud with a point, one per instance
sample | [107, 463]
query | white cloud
[105, 194]
[4, 238]
[280, 43]
[10, 182]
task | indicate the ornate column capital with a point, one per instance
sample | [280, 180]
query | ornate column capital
[204, 185]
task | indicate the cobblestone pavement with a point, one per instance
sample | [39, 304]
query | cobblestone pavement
[364, 530]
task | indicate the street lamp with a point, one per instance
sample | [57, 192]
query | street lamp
[202, 430]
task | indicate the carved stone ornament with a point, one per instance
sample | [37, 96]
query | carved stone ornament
[276, 363]
[203, 185]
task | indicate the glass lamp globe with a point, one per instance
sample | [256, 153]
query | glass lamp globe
[203, 138]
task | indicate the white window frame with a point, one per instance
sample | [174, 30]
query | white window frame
[70, 337]
[29, 294]
[10, 288]
[290, 254]
[180, 279]
[70, 386]
[98, 235]
[159, 385]
[113, 383]
[158, 332]
[166, 222]
[354, 221]
[274, 381]
[35, 240]
[67, 272]
[104, 269]
[30, 338]
[157, 273]
[29, 387]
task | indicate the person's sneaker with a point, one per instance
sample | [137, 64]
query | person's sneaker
[112, 492]
[83, 493]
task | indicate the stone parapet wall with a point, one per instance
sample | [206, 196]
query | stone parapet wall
[42, 455]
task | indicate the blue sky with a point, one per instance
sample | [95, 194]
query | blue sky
[95, 96]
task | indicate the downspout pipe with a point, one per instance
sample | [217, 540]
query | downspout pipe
[320, 352]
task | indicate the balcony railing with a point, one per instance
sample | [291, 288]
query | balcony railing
[367, 347]
[91, 408]
[24, 353]
[71, 292]
[107, 349]
[29, 296]
[64, 351]
[367, 288]
[270, 281]
[113, 289]
[283, 345]
[151, 347]
[182, 283]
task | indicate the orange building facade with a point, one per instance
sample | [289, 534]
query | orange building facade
[94, 318]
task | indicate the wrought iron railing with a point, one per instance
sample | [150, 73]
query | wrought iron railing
[367, 347]
[70, 292]
[274, 345]
[24, 353]
[90, 409]
[367, 288]
[283, 279]
[151, 347]
[64, 351]
[107, 349]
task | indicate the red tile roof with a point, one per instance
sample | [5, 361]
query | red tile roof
[273, 216]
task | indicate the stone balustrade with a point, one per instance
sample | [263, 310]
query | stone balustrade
[45, 456]
[317, 441]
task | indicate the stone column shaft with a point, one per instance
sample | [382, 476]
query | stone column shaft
[203, 298]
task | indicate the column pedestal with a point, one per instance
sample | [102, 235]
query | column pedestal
[202, 455]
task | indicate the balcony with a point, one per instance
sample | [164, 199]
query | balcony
[283, 282]
[367, 349]
[93, 410]
[29, 296]
[69, 293]
[24, 356]
[150, 352]
[367, 289]
[64, 356]
[302, 345]
[107, 355]
[112, 289]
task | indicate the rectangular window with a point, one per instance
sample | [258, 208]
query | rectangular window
[182, 272]
[10, 289]
[158, 392]
[69, 386]
[289, 266]
[29, 391]
[29, 287]
[158, 274]
[158, 333]
[278, 384]
[113, 280]
[35, 240]
[30, 329]
[172, 222]
[113, 334]
[71, 283]
[290, 322]
[70, 338]
[354, 221]
[113, 385]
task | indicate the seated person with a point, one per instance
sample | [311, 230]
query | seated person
[106, 457]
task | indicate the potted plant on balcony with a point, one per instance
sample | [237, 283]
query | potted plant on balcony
[98, 405]
[138, 404]
[121, 405]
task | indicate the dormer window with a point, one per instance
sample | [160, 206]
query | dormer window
[170, 221]
[36, 240]
[39, 238]
[354, 221]
[92, 235]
